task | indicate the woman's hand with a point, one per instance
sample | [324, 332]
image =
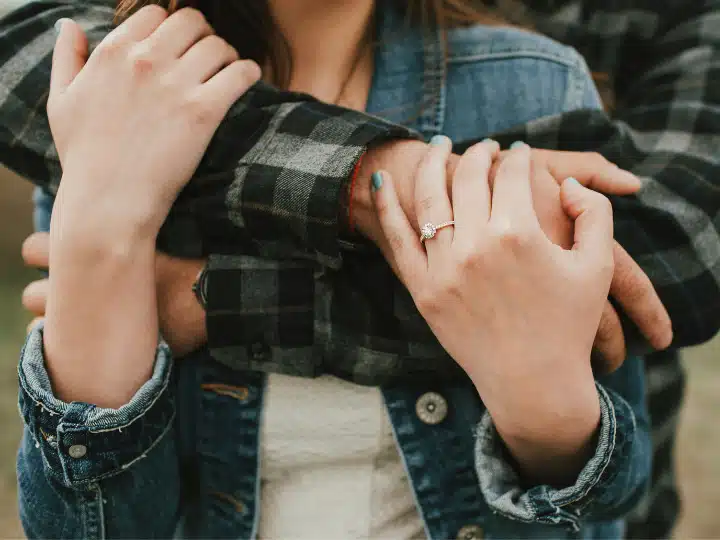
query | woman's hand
[631, 287]
[132, 121]
[516, 311]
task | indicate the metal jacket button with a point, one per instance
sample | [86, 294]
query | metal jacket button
[431, 408]
[77, 451]
[470, 532]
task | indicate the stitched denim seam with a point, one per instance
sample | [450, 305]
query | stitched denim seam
[508, 55]
[124, 466]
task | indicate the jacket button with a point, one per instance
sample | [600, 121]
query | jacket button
[259, 351]
[431, 408]
[77, 451]
[470, 532]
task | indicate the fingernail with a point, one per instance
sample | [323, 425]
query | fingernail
[437, 140]
[488, 141]
[572, 180]
[517, 144]
[634, 178]
[58, 25]
[377, 180]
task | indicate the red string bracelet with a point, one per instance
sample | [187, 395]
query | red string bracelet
[353, 181]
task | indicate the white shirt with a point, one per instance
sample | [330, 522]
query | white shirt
[330, 468]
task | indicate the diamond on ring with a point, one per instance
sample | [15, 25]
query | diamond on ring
[429, 230]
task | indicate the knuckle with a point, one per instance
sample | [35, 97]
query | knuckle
[629, 285]
[598, 158]
[194, 16]
[512, 238]
[248, 71]
[427, 301]
[395, 241]
[110, 48]
[154, 10]
[471, 258]
[425, 203]
[141, 60]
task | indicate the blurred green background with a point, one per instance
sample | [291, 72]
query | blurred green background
[699, 455]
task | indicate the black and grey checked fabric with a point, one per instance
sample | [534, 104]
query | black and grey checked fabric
[272, 185]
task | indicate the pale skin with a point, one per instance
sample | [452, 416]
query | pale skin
[88, 354]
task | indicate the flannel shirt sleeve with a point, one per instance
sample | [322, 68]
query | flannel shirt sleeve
[666, 129]
[273, 181]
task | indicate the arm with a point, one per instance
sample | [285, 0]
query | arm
[666, 129]
[270, 142]
[518, 314]
[105, 492]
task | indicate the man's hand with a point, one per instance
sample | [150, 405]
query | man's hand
[631, 287]
[182, 319]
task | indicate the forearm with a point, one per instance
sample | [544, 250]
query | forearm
[101, 329]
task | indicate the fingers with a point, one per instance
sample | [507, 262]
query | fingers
[471, 191]
[592, 214]
[33, 324]
[206, 57]
[230, 83]
[609, 349]
[141, 24]
[36, 250]
[591, 170]
[634, 292]
[69, 56]
[432, 202]
[512, 200]
[402, 247]
[178, 33]
[34, 297]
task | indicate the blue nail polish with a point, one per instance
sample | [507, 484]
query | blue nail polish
[58, 25]
[437, 140]
[572, 180]
[377, 180]
[517, 144]
[488, 141]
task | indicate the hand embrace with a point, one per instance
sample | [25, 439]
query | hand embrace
[630, 288]
[516, 311]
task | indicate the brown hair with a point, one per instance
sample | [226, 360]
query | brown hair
[258, 39]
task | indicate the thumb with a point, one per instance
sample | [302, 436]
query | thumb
[69, 57]
[592, 214]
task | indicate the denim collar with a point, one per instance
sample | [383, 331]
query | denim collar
[409, 78]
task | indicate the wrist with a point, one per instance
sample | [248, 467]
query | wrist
[400, 159]
[552, 444]
[98, 215]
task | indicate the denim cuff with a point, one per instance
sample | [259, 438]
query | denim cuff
[607, 479]
[82, 443]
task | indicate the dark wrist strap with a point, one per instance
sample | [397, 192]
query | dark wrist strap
[199, 288]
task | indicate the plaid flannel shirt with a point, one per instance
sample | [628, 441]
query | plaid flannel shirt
[267, 198]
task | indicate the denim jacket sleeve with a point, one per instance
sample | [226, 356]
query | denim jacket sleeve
[611, 481]
[82, 470]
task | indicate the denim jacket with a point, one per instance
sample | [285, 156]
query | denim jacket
[182, 457]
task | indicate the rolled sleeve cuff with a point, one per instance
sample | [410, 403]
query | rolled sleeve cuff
[609, 477]
[82, 443]
[295, 179]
